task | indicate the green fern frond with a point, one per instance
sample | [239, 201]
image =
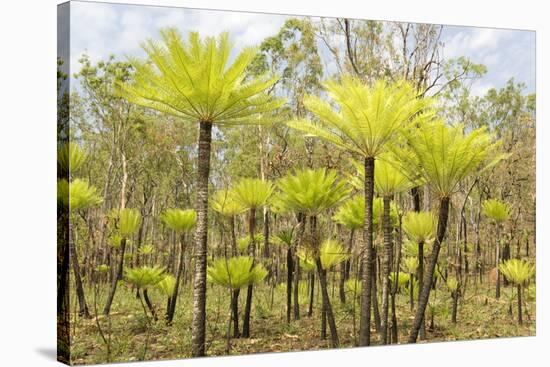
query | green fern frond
[420, 226]
[235, 272]
[496, 210]
[332, 253]
[128, 221]
[223, 202]
[70, 157]
[179, 220]
[367, 117]
[198, 80]
[517, 271]
[252, 193]
[311, 191]
[145, 249]
[410, 264]
[166, 285]
[144, 277]
[77, 194]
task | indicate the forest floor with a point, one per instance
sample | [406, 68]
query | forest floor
[131, 336]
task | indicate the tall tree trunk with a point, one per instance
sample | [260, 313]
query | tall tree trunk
[428, 277]
[116, 278]
[364, 323]
[386, 263]
[198, 333]
[249, 290]
[83, 311]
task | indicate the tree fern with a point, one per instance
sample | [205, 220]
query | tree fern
[496, 210]
[235, 272]
[195, 81]
[179, 220]
[311, 191]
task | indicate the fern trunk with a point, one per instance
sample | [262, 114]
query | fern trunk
[386, 264]
[198, 335]
[250, 288]
[364, 323]
[428, 277]
[116, 278]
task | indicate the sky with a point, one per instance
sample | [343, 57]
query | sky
[101, 29]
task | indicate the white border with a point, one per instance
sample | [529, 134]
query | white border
[27, 182]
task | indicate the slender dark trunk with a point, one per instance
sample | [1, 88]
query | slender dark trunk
[327, 308]
[296, 289]
[235, 312]
[149, 304]
[428, 276]
[394, 327]
[289, 272]
[420, 278]
[83, 311]
[298, 240]
[342, 282]
[311, 294]
[364, 323]
[249, 290]
[116, 278]
[386, 263]
[374, 293]
[454, 295]
[198, 333]
[174, 297]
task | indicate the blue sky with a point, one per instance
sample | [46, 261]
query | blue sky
[100, 29]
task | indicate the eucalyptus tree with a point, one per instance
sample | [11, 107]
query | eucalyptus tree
[312, 192]
[252, 194]
[128, 222]
[235, 273]
[498, 212]
[367, 118]
[180, 221]
[518, 272]
[443, 156]
[196, 82]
